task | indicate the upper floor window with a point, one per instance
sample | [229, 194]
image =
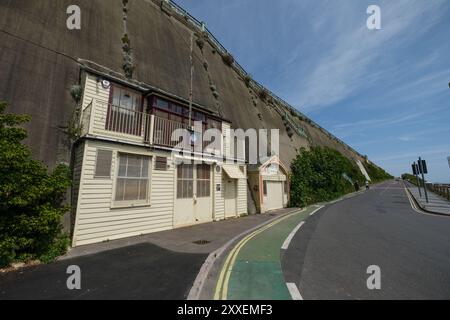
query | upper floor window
[125, 99]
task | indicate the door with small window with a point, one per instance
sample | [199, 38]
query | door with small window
[125, 111]
[193, 203]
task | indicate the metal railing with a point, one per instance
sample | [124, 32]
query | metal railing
[163, 130]
[127, 121]
[440, 189]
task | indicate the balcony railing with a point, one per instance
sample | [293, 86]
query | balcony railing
[163, 130]
[102, 119]
[128, 122]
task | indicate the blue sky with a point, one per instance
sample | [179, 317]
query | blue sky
[385, 92]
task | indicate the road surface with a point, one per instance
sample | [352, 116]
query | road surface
[329, 256]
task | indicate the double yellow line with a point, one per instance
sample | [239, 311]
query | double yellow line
[221, 292]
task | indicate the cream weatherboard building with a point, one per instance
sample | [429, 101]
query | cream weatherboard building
[269, 182]
[128, 180]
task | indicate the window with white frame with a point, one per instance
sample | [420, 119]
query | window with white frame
[132, 178]
[203, 181]
[185, 181]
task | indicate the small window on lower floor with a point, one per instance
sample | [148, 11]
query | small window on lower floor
[265, 188]
[103, 164]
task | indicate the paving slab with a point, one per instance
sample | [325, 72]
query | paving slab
[436, 204]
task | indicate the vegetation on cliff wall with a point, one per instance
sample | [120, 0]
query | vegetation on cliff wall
[322, 174]
[411, 178]
[30, 199]
[376, 173]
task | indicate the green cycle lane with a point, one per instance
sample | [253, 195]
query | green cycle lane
[256, 273]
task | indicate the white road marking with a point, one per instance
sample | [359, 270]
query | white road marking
[293, 290]
[288, 240]
[315, 210]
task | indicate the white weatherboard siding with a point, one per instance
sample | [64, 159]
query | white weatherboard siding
[98, 97]
[77, 169]
[97, 220]
[93, 90]
[219, 200]
[242, 195]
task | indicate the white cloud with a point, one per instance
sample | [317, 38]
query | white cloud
[345, 67]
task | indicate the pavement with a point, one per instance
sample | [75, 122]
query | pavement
[161, 266]
[436, 204]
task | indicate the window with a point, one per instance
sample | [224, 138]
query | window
[286, 187]
[103, 164]
[162, 104]
[185, 181]
[132, 179]
[265, 188]
[203, 181]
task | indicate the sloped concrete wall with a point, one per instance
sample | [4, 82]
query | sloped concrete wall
[38, 67]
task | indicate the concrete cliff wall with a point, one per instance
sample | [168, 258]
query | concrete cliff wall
[39, 65]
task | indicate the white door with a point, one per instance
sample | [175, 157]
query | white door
[193, 201]
[275, 197]
[203, 194]
[230, 196]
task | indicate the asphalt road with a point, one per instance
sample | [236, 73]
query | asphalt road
[328, 258]
[143, 271]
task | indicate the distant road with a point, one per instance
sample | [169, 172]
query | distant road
[328, 258]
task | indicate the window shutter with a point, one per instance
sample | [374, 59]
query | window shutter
[161, 163]
[103, 164]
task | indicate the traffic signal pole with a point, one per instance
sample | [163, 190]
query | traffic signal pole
[422, 169]
[415, 170]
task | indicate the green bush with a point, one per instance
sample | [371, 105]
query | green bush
[30, 198]
[412, 178]
[377, 174]
[318, 175]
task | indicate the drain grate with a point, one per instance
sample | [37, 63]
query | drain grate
[201, 242]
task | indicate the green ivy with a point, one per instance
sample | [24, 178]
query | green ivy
[30, 198]
[317, 175]
[377, 174]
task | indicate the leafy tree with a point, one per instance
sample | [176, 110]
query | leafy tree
[30, 198]
[321, 174]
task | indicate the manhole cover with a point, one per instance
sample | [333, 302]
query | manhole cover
[202, 242]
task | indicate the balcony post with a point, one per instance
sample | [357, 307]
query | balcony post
[92, 117]
[152, 128]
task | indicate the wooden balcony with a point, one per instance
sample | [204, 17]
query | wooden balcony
[101, 119]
